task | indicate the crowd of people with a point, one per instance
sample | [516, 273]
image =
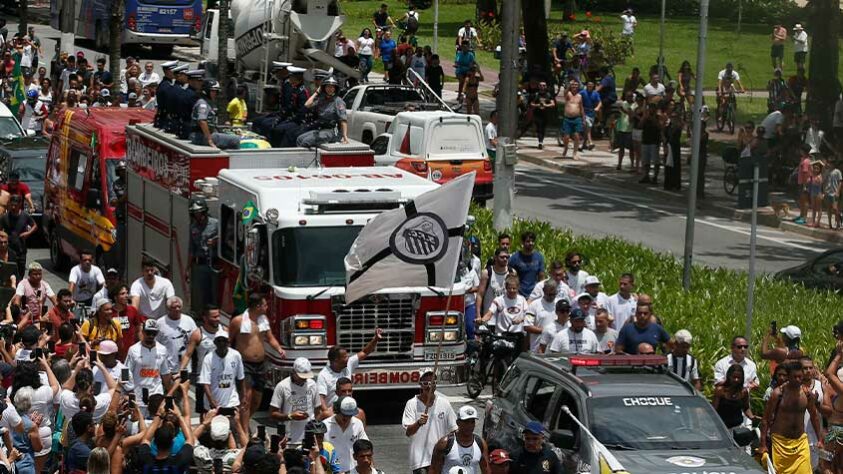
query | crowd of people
[562, 308]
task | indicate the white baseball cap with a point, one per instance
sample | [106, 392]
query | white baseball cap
[302, 368]
[592, 280]
[683, 335]
[467, 412]
[220, 428]
[792, 332]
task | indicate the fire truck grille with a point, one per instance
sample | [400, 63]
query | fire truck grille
[395, 314]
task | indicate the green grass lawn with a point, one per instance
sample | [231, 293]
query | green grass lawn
[749, 52]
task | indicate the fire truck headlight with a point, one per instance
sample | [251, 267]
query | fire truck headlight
[450, 336]
[316, 340]
[301, 340]
[434, 336]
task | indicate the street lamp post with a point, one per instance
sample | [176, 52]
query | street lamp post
[695, 149]
[661, 42]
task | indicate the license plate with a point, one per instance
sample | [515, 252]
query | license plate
[431, 356]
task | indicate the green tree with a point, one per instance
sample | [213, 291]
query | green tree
[823, 86]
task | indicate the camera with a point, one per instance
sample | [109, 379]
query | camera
[7, 331]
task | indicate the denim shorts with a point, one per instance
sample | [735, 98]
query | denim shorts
[571, 125]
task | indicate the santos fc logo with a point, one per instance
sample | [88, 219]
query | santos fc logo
[421, 239]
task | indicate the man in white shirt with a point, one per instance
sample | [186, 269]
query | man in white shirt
[341, 365]
[343, 429]
[174, 332]
[468, 33]
[576, 276]
[600, 300]
[621, 305]
[629, 23]
[364, 457]
[800, 45]
[559, 275]
[491, 135]
[150, 292]
[222, 375]
[85, 279]
[148, 76]
[563, 313]
[427, 418]
[508, 311]
[738, 356]
[654, 90]
[147, 360]
[295, 400]
[606, 335]
[541, 313]
[576, 339]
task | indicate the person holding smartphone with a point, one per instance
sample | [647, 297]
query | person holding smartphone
[107, 353]
[79, 386]
[295, 401]
[147, 360]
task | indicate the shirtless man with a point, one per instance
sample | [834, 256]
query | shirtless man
[784, 417]
[572, 122]
[249, 332]
[834, 437]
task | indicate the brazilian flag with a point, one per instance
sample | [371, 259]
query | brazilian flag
[241, 293]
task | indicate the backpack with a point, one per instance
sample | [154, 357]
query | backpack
[412, 22]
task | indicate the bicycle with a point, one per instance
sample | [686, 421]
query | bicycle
[730, 171]
[726, 117]
[490, 359]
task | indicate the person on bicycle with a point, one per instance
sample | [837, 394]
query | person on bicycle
[383, 23]
[509, 310]
[726, 80]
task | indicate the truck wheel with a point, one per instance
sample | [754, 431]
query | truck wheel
[165, 50]
[57, 257]
[367, 138]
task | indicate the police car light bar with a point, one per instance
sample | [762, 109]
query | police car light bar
[617, 360]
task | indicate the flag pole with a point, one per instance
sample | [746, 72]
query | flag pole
[439, 346]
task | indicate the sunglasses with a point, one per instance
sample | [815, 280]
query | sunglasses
[741, 346]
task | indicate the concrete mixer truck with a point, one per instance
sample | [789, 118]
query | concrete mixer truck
[295, 31]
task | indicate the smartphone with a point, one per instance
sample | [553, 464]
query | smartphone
[74, 322]
[308, 442]
[262, 432]
[124, 375]
[51, 346]
[97, 388]
[773, 328]
[93, 356]
[132, 400]
[274, 443]
[226, 411]
[43, 309]
[82, 349]
[169, 403]
[145, 396]
[184, 375]
[37, 353]
[281, 429]
[48, 328]
[218, 466]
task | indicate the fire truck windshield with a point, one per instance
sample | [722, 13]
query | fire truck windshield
[312, 256]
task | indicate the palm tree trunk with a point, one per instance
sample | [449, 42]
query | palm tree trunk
[823, 86]
[222, 60]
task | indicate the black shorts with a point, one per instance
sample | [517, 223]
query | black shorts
[255, 374]
[777, 51]
[799, 58]
[623, 140]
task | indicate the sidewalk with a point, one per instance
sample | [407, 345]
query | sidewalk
[600, 165]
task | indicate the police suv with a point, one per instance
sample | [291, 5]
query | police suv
[608, 413]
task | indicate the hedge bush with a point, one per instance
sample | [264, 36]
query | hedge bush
[714, 310]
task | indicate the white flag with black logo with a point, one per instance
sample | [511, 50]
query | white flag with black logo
[417, 245]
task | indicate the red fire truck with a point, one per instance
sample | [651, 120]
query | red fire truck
[308, 214]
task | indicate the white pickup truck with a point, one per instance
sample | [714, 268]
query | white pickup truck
[372, 107]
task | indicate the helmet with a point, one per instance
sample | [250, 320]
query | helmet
[198, 204]
[315, 426]
[32, 94]
[209, 85]
[330, 81]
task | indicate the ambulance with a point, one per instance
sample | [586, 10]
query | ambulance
[82, 159]
[304, 216]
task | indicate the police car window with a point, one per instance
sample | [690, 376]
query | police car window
[76, 170]
[227, 232]
[657, 422]
[538, 396]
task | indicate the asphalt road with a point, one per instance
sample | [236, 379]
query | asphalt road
[600, 209]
